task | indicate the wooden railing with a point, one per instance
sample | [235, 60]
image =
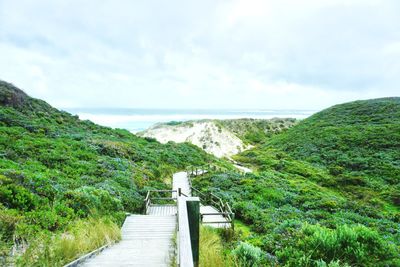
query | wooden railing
[159, 197]
[208, 198]
[198, 170]
[188, 215]
[188, 231]
[223, 207]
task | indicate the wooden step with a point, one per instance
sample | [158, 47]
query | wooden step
[147, 240]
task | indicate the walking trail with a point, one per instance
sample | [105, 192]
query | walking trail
[147, 240]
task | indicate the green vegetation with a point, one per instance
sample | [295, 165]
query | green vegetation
[221, 248]
[57, 171]
[255, 131]
[248, 255]
[357, 142]
[173, 123]
[212, 249]
[82, 236]
[323, 192]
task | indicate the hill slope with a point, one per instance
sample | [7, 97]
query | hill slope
[358, 142]
[56, 170]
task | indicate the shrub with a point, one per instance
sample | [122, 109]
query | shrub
[248, 255]
[352, 245]
[85, 199]
[17, 197]
[46, 219]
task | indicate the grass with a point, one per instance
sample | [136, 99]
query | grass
[242, 230]
[173, 255]
[212, 249]
[84, 236]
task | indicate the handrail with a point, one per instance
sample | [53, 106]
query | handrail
[184, 244]
[188, 246]
[223, 207]
[163, 191]
[149, 200]
[187, 254]
[198, 192]
[197, 170]
[216, 213]
[163, 198]
[210, 198]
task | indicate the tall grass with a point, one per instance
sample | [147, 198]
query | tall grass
[212, 250]
[84, 236]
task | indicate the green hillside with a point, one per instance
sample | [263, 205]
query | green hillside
[357, 142]
[57, 173]
[325, 192]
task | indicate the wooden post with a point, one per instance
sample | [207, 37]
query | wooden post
[233, 222]
[193, 209]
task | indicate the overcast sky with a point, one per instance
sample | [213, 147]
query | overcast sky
[267, 54]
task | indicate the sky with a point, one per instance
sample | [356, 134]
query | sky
[242, 54]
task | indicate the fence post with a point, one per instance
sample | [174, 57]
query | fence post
[193, 208]
[233, 222]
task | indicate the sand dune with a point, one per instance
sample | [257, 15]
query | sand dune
[204, 134]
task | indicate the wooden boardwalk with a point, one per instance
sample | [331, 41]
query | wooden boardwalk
[180, 180]
[147, 240]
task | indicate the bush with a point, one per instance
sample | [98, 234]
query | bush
[353, 245]
[248, 255]
[46, 219]
[85, 199]
[17, 197]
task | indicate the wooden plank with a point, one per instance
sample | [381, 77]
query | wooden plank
[164, 210]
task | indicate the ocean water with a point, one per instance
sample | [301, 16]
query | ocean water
[136, 120]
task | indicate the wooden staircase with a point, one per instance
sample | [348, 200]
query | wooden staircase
[146, 241]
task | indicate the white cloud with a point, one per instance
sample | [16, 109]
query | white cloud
[201, 54]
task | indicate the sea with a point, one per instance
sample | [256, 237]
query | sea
[136, 120]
